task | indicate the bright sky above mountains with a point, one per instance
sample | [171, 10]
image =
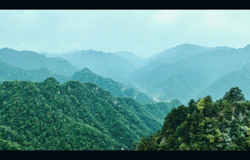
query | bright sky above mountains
[143, 32]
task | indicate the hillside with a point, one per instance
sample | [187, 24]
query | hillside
[31, 61]
[240, 78]
[10, 73]
[178, 52]
[71, 116]
[115, 88]
[187, 69]
[137, 61]
[204, 125]
[172, 81]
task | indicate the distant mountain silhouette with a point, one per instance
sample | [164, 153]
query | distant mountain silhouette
[208, 64]
[31, 60]
[239, 78]
[108, 65]
[115, 88]
[11, 73]
[136, 60]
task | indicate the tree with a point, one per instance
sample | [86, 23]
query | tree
[215, 109]
[207, 111]
[200, 104]
[191, 106]
[235, 94]
[226, 96]
[228, 109]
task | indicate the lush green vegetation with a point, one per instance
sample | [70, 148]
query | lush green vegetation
[204, 125]
[67, 112]
[72, 116]
[115, 88]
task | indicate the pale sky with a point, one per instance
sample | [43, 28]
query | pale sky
[143, 32]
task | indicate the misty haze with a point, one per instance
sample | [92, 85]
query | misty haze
[125, 80]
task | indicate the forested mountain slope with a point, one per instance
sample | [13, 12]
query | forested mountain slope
[115, 88]
[207, 66]
[218, 61]
[8, 72]
[71, 116]
[31, 61]
[182, 86]
[240, 78]
[172, 81]
[221, 125]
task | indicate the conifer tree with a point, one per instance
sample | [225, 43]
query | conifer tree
[191, 106]
[207, 111]
[235, 94]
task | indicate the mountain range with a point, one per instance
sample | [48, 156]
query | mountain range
[92, 100]
[108, 65]
[180, 72]
[166, 76]
[8, 72]
[31, 60]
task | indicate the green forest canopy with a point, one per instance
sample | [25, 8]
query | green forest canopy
[219, 125]
[73, 116]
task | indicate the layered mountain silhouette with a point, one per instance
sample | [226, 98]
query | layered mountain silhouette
[31, 60]
[115, 88]
[137, 61]
[106, 101]
[108, 65]
[189, 72]
[8, 72]
[239, 78]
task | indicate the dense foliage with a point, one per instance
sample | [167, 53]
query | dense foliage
[72, 116]
[204, 125]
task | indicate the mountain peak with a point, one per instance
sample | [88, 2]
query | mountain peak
[51, 80]
[185, 47]
[85, 69]
[3, 63]
[247, 47]
[7, 49]
[223, 48]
